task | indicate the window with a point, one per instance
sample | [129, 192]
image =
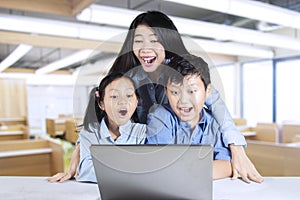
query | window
[257, 92]
[287, 92]
[227, 76]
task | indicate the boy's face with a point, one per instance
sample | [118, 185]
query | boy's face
[119, 101]
[187, 98]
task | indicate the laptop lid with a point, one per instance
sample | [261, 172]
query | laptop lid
[153, 171]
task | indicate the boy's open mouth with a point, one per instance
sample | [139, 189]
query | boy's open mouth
[185, 109]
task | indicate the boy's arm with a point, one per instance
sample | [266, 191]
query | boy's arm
[221, 169]
[159, 128]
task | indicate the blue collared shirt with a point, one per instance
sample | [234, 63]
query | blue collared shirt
[151, 94]
[131, 133]
[164, 127]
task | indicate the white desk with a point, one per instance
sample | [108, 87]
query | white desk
[38, 188]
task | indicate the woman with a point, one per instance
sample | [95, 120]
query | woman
[151, 42]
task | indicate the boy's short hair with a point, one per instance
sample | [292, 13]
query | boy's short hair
[188, 64]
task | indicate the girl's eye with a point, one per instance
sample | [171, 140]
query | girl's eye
[154, 41]
[130, 95]
[193, 91]
[113, 96]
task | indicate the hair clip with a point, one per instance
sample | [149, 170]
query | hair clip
[97, 93]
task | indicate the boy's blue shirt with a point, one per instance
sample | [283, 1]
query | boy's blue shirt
[164, 127]
[154, 93]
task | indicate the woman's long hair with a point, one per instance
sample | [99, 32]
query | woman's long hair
[166, 32]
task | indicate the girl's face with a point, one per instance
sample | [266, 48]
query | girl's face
[119, 101]
[147, 48]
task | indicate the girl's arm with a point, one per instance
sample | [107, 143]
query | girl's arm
[86, 172]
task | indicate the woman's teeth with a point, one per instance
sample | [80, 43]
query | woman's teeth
[149, 60]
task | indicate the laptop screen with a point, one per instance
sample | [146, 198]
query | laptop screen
[153, 171]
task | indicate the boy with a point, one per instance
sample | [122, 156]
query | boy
[184, 120]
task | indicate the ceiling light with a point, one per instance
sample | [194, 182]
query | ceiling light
[228, 48]
[58, 28]
[193, 28]
[249, 9]
[67, 61]
[73, 30]
[16, 55]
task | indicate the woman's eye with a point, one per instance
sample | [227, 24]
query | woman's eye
[193, 91]
[154, 41]
[138, 41]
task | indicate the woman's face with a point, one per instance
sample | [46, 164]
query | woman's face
[120, 101]
[147, 48]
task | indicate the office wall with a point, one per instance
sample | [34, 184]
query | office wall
[13, 98]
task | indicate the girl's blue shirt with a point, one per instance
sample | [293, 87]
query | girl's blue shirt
[131, 133]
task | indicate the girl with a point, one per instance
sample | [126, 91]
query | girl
[108, 120]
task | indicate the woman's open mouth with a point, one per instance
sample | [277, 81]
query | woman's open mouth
[148, 60]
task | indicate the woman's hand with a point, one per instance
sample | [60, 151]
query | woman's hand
[242, 166]
[72, 170]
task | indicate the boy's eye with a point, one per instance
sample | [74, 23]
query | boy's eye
[174, 92]
[192, 91]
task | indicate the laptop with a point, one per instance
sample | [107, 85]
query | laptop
[153, 171]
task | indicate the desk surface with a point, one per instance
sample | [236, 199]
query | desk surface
[274, 188]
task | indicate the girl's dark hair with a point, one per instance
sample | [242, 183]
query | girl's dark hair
[93, 114]
[166, 32]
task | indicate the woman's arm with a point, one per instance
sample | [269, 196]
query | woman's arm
[72, 169]
[232, 138]
[242, 166]
[230, 134]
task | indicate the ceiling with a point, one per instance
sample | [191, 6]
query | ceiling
[47, 49]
